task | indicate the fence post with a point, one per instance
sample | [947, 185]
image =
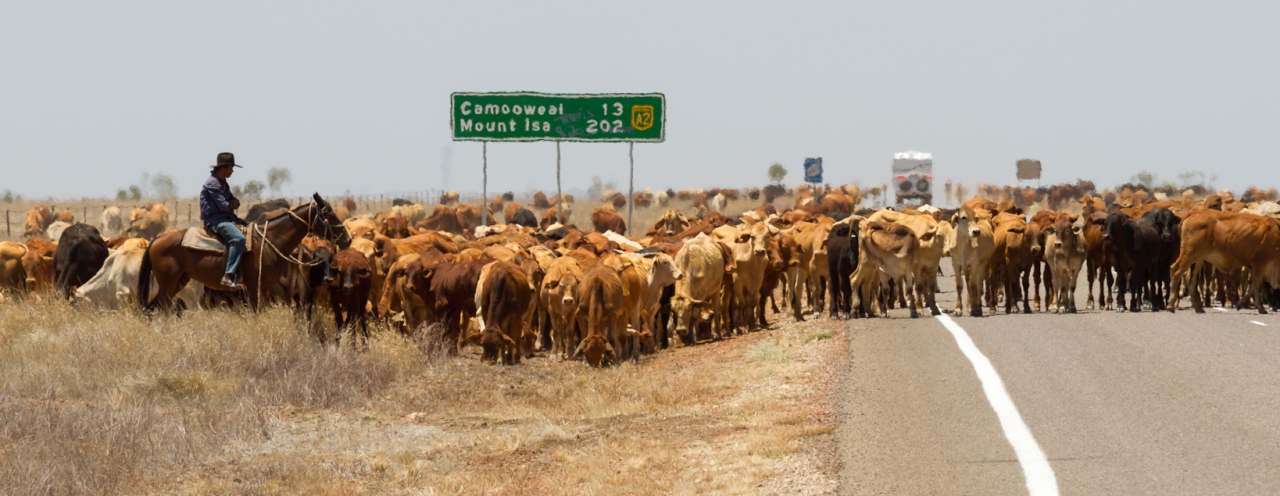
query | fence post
[7, 229]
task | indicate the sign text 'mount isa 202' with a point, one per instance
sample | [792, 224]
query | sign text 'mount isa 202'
[559, 117]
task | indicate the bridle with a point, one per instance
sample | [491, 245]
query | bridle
[317, 214]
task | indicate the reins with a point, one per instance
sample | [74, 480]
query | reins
[262, 232]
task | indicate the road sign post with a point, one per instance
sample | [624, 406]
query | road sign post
[528, 116]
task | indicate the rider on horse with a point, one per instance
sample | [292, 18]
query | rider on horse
[218, 213]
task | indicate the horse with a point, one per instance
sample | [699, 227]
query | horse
[174, 265]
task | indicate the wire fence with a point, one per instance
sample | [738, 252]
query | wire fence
[185, 212]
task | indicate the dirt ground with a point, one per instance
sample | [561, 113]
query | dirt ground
[229, 402]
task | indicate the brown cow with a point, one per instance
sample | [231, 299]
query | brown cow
[601, 314]
[349, 293]
[469, 218]
[449, 291]
[604, 219]
[442, 218]
[503, 296]
[1229, 242]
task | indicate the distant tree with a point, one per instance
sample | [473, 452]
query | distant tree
[122, 194]
[251, 190]
[9, 197]
[1145, 178]
[135, 193]
[777, 172]
[277, 177]
[597, 188]
[163, 186]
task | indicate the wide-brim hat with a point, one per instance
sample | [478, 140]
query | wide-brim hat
[226, 158]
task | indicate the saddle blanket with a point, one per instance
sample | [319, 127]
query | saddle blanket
[197, 238]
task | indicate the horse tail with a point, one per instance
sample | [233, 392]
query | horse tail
[144, 281]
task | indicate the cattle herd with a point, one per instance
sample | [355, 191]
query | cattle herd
[699, 272]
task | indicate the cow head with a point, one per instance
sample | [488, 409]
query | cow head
[664, 269]
[417, 277]
[322, 271]
[758, 236]
[1168, 224]
[352, 271]
[689, 313]
[494, 343]
[597, 349]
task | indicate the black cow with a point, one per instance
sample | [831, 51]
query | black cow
[842, 260]
[1134, 251]
[258, 213]
[524, 217]
[1170, 227]
[318, 275]
[400, 202]
[81, 253]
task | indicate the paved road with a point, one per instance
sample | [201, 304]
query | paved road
[1149, 403]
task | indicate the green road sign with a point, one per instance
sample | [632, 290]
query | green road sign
[527, 116]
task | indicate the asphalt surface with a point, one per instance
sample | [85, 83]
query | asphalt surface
[1119, 403]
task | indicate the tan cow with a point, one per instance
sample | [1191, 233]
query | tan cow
[750, 256]
[932, 237]
[601, 315]
[660, 271]
[697, 296]
[886, 251]
[38, 264]
[1017, 246]
[13, 276]
[559, 293]
[361, 227]
[147, 223]
[38, 220]
[1229, 242]
[635, 294]
[1065, 252]
[971, 251]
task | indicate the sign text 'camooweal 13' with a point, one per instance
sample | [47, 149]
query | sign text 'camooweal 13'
[639, 117]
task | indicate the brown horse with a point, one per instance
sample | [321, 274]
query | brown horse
[175, 265]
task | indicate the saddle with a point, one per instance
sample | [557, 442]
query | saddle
[202, 239]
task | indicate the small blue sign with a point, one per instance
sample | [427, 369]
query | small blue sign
[813, 170]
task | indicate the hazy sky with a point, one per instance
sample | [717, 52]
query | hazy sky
[355, 95]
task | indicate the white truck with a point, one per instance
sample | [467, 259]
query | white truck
[913, 178]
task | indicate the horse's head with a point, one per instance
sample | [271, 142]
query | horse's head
[325, 223]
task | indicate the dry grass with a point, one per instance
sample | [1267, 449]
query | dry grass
[224, 402]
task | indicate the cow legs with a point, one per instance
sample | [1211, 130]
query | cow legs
[1026, 307]
[1122, 285]
[1035, 269]
[1259, 299]
[975, 279]
[1091, 272]
[961, 276]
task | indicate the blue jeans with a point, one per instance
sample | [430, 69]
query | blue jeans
[234, 239]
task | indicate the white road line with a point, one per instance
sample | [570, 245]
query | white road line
[1220, 309]
[1040, 478]
[1259, 323]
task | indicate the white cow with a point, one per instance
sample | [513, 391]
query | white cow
[114, 285]
[55, 230]
[112, 222]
